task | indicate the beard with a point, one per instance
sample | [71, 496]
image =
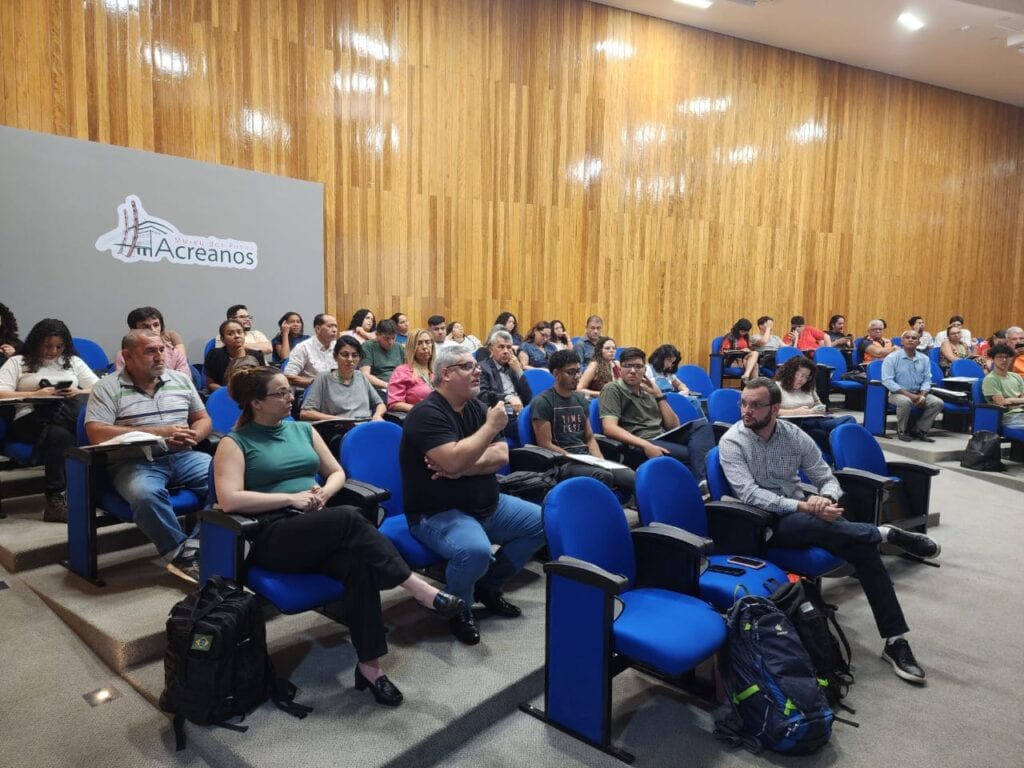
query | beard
[756, 424]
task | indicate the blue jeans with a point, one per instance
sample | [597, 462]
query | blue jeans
[143, 484]
[465, 542]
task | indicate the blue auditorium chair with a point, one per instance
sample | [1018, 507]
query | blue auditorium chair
[19, 455]
[893, 492]
[615, 599]
[967, 368]
[782, 354]
[369, 454]
[92, 355]
[989, 417]
[723, 410]
[223, 411]
[833, 358]
[718, 370]
[667, 493]
[696, 380]
[813, 562]
[539, 380]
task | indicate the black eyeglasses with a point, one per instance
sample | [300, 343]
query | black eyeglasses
[467, 367]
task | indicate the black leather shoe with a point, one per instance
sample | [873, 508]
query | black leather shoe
[903, 662]
[464, 628]
[448, 606]
[922, 436]
[496, 604]
[383, 690]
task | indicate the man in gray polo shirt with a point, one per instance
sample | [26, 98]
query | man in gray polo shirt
[144, 397]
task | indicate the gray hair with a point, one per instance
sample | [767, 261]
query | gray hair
[877, 320]
[447, 355]
[133, 337]
[1015, 329]
[498, 333]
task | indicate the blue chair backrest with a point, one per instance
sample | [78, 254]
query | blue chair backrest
[539, 380]
[718, 485]
[209, 345]
[875, 370]
[369, 452]
[526, 426]
[595, 417]
[92, 354]
[977, 396]
[81, 438]
[724, 405]
[697, 379]
[716, 344]
[935, 353]
[667, 493]
[583, 519]
[832, 357]
[853, 447]
[966, 368]
[937, 377]
[576, 340]
[198, 379]
[618, 350]
[683, 407]
[855, 355]
[786, 353]
[223, 411]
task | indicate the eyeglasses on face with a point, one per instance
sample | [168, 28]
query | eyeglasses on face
[467, 367]
[633, 366]
[244, 317]
[281, 394]
[753, 406]
[574, 372]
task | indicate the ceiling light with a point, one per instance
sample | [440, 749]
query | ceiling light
[910, 21]
[702, 4]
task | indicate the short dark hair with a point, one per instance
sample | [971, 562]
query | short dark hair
[225, 324]
[956, 319]
[1000, 349]
[797, 320]
[435, 320]
[397, 315]
[140, 314]
[347, 341]
[764, 319]
[913, 320]
[387, 326]
[561, 359]
[763, 382]
[233, 310]
[632, 353]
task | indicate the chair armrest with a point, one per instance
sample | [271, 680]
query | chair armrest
[720, 428]
[900, 468]
[611, 449]
[807, 488]
[99, 455]
[533, 458]
[587, 573]
[360, 494]
[396, 417]
[668, 558]
[238, 524]
[849, 478]
[737, 528]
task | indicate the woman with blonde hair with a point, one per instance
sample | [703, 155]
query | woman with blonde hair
[414, 379]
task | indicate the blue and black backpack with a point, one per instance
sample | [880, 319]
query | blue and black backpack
[777, 700]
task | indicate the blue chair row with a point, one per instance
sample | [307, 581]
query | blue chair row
[19, 455]
[955, 416]
[988, 416]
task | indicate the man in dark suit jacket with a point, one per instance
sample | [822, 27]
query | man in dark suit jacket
[502, 374]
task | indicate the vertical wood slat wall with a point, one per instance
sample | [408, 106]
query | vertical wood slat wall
[556, 158]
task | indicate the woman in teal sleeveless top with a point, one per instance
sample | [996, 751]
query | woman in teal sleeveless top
[268, 466]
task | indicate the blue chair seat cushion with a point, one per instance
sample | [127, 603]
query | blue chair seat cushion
[670, 632]
[19, 452]
[846, 384]
[183, 501]
[807, 561]
[722, 590]
[294, 592]
[396, 528]
[1013, 433]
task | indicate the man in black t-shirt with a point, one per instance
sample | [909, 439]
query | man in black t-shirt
[451, 448]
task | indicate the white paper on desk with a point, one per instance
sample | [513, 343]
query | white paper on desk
[130, 438]
[586, 458]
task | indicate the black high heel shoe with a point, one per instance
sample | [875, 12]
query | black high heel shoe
[383, 690]
[448, 606]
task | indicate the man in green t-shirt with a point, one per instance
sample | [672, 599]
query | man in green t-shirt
[382, 355]
[1004, 387]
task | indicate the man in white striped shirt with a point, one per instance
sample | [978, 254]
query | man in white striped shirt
[762, 457]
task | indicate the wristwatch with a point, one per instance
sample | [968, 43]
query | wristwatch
[659, 399]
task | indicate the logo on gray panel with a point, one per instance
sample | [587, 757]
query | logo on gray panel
[142, 237]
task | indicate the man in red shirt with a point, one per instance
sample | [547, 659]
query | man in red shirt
[805, 337]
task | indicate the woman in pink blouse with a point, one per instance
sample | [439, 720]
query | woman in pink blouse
[413, 380]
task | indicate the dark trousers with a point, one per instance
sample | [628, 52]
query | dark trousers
[55, 440]
[820, 429]
[692, 447]
[857, 543]
[340, 543]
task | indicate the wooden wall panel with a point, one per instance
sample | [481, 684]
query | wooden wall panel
[556, 158]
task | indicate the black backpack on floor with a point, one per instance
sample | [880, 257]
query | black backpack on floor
[983, 452]
[216, 666]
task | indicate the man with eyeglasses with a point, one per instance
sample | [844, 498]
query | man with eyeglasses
[875, 346]
[254, 339]
[501, 374]
[451, 448]
[145, 397]
[763, 456]
[1003, 387]
[314, 355]
[635, 412]
[907, 374]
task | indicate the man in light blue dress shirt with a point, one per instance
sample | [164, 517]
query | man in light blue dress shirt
[907, 374]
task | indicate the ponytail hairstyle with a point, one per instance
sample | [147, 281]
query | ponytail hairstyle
[248, 384]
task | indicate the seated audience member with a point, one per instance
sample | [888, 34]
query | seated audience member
[402, 325]
[49, 367]
[502, 375]
[268, 466]
[510, 324]
[414, 379]
[485, 351]
[145, 397]
[344, 392]
[254, 339]
[456, 337]
[765, 342]
[291, 334]
[907, 374]
[315, 354]
[561, 423]
[222, 361]
[451, 448]
[661, 369]
[916, 323]
[998, 337]
[151, 319]
[381, 356]
[1015, 341]
[438, 331]
[10, 344]
[635, 412]
[559, 336]
[762, 457]
[585, 346]
[804, 337]
[537, 347]
[1004, 387]
[965, 334]
[953, 348]
[838, 336]
[363, 326]
[602, 369]
[795, 378]
[875, 346]
[736, 348]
